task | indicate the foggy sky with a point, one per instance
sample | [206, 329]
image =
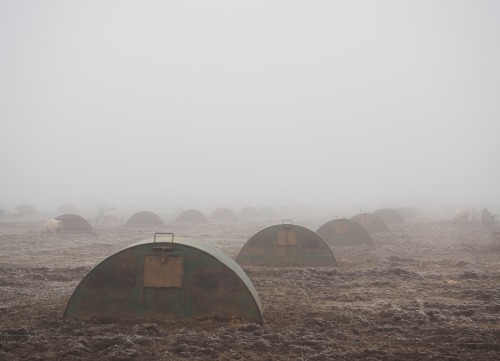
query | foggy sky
[236, 103]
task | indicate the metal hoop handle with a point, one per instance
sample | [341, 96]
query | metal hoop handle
[163, 233]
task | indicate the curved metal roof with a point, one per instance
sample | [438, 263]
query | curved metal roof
[191, 216]
[144, 218]
[223, 214]
[99, 290]
[74, 223]
[370, 222]
[344, 232]
[214, 252]
[389, 215]
[286, 244]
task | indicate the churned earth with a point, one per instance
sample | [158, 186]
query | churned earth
[424, 291]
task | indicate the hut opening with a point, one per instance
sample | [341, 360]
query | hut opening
[223, 215]
[145, 218]
[191, 216]
[160, 281]
[370, 222]
[286, 244]
[344, 232]
[74, 223]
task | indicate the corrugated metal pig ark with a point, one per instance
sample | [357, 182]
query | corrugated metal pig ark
[158, 281]
[370, 222]
[74, 223]
[247, 213]
[191, 216]
[287, 244]
[223, 214]
[145, 218]
[344, 232]
[389, 215]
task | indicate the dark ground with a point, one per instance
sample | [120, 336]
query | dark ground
[425, 291]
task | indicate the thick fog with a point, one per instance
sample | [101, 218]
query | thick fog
[204, 104]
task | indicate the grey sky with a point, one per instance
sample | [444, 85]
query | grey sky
[250, 103]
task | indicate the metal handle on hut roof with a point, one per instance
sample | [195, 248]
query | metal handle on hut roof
[287, 220]
[154, 239]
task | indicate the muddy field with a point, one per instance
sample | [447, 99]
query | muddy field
[426, 290]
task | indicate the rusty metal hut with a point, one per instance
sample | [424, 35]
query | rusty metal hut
[145, 218]
[191, 216]
[286, 244]
[223, 215]
[248, 213]
[344, 232]
[370, 222]
[389, 216]
[160, 281]
[74, 223]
